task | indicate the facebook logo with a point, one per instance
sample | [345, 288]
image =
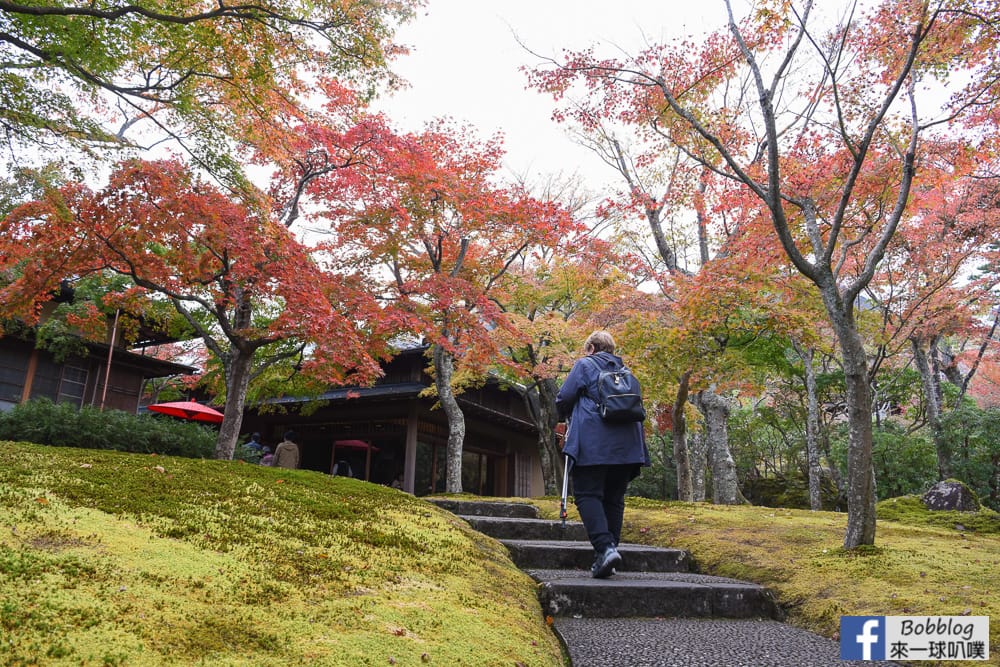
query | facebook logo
[862, 637]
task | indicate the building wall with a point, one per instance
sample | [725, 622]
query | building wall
[27, 373]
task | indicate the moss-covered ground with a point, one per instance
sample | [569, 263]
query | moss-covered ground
[923, 562]
[125, 559]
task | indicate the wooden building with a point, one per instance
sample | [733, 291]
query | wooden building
[104, 377]
[387, 433]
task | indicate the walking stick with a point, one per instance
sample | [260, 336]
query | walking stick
[565, 489]
[565, 492]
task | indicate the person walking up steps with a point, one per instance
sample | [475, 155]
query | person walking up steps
[605, 455]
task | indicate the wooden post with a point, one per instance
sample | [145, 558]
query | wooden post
[29, 375]
[111, 349]
[410, 455]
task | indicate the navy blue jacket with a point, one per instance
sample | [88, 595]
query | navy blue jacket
[589, 439]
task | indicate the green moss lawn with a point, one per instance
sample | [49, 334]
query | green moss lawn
[924, 563]
[125, 559]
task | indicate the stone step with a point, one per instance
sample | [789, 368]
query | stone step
[484, 508]
[574, 593]
[565, 555]
[503, 528]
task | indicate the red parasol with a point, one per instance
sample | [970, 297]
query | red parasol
[354, 444]
[188, 410]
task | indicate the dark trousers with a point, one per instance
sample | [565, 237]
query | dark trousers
[599, 494]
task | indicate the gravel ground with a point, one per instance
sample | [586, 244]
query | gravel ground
[631, 642]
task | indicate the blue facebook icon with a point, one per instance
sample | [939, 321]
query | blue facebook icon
[862, 637]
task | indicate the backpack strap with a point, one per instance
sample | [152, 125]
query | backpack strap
[598, 367]
[601, 370]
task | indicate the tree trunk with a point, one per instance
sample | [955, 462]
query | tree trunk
[678, 432]
[548, 447]
[994, 482]
[444, 368]
[540, 401]
[812, 429]
[860, 474]
[237, 381]
[932, 404]
[698, 454]
[725, 486]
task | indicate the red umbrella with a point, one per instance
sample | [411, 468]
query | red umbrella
[355, 444]
[188, 410]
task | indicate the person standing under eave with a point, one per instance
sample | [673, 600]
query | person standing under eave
[286, 454]
[605, 455]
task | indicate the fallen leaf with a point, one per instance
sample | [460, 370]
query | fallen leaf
[159, 469]
[86, 465]
[42, 501]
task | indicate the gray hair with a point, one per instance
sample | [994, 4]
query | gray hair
[600, 341]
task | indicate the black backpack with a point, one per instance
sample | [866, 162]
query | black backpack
[619, 397]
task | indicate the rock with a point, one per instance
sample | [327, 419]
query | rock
[951, 495]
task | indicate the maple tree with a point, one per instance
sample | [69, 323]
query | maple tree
[654, 193]
[427, 215]
[663, 195]
[820, 126]
[553, 302]
[690, 218]
[771, 303]
[923, 287]
[250, 291]
[208, 76]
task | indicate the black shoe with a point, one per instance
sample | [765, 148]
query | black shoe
[604, 564]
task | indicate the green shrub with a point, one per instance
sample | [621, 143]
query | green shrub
[791, 492]
[904, 462]
[659, 480]
[972, 438]
[43, 422]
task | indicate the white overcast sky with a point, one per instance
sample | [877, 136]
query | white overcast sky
[465, 57]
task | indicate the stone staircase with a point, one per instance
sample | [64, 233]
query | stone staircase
[655, 612]
[652, 581]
